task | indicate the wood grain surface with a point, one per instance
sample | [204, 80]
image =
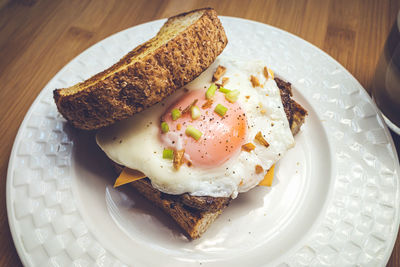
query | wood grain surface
[37, 38]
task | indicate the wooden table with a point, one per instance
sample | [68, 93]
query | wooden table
[37, 38]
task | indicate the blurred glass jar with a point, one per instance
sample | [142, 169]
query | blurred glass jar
[386, 83]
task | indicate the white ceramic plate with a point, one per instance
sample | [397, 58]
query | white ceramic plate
[335, 199]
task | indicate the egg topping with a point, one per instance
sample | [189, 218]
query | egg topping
[207, 140]
[221, 136]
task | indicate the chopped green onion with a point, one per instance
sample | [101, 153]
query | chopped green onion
[193, 132]
[232, 96]
[211, 91]
[168, 154]
[224, 90]
[176, 114]
[220, 109]
[196, 113]
[164, 127]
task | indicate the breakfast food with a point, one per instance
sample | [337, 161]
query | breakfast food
[183, 48]
[203, 145]
[189, 151]
[214, 163]
[195, 214]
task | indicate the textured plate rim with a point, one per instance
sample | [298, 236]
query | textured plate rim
[10, 210]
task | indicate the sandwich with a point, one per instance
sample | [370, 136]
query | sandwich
[187, 128]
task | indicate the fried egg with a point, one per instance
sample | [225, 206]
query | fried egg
[228, 143]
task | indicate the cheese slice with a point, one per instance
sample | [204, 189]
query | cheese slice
[268, 178]
[127, 176]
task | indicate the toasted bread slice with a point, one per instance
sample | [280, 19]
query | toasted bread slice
[193, 221]
[183, 48]
[195, 214]
[295, 113]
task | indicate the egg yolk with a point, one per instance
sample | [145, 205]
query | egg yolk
[221, 136]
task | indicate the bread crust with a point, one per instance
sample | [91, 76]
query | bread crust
[194, 222]
[205, 203]
[146, 82]
[295, 113]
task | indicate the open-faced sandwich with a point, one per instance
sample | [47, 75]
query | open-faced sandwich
[188, 130]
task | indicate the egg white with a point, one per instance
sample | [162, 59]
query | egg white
[135, 142]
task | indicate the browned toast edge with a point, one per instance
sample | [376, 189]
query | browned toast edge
[147, 81]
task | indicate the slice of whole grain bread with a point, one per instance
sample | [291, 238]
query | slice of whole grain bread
[183, 48]
[195, 214]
